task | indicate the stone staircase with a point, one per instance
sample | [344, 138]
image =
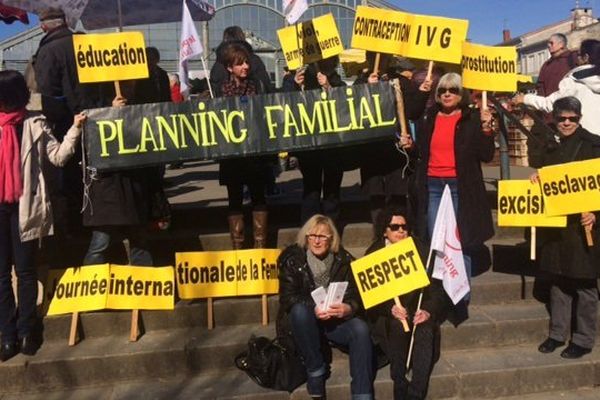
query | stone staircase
[491, 355]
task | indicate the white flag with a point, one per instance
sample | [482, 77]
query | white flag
[293, 9]
[189, 46]
[449, 265]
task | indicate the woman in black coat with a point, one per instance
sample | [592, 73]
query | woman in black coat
[386, 166]
[564, 254]
[452, 141]
[316, 260]
[385, 319]
[322, 170]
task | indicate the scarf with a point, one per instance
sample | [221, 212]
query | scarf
[11, 185]
[320, 269]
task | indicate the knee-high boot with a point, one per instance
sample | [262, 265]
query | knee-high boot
[236, 230]
[259, 221]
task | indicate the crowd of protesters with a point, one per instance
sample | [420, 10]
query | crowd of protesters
[403, 178]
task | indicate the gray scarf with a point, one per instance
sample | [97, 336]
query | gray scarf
[321, 269]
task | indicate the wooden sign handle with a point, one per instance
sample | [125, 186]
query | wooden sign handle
[265, 310]
[73, 330]
[533, 243]
[404, 323]
[588, 235]
[118, 89]
[376, 64]
[484, 102]
[209, 313]
[429, 71]
[400, 108]
[135, 331]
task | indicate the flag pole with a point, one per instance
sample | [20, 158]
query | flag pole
[412, 335]
[207, 77]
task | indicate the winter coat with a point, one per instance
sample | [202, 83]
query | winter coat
[384, 170]
[57, 79]
[471, 148]
[435, 301]
[583, 83]
[553, 71]
[258, 71]
[296, 282]
[154, 89]
[564, 251]
[38, 145]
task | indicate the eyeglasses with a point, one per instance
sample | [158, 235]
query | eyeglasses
[395, 227]
[322, 238]
[575, 119]
[453, 90]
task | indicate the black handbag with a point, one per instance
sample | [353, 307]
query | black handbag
[272, 364]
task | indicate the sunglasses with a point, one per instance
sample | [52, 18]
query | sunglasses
[571, 119]
[453, 90]
[395, 227]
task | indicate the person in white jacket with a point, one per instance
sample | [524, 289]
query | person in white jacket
[26, 145]
[582, 82]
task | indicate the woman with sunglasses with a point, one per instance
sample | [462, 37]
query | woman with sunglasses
[385, 319]
[564, 256]
[453, 140]
[582, 82]
[317, 259]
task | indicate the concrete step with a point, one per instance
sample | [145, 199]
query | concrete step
[516, 372]
[181, 351]
[487, 289]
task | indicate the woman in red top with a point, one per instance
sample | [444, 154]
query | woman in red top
[453, 140]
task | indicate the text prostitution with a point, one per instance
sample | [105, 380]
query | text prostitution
[110, 286]
[232, 127]
[227, 273]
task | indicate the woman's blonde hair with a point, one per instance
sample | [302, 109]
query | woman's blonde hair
[311, 224]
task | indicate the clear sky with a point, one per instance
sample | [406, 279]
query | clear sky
[487, 17]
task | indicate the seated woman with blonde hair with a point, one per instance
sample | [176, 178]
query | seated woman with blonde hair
[318, 259]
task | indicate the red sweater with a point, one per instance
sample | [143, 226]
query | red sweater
[442, 163]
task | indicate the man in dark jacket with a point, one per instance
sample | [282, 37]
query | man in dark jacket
[561, 61]
[62, 97]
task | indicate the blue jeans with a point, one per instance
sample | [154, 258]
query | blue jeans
[16, 322]
[102, 237]
[352, 333]
[435, 187]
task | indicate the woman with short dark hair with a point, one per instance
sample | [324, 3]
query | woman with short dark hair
[25, 210]
[572, 266]
[317, 259]
[386, 318]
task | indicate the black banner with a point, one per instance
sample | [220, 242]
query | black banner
[141, 135]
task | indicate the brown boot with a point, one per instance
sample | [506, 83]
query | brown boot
[259, 221]
[236, 230]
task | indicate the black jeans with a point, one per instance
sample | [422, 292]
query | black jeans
[235, 194]
[139, 253]
[320, 175]
[16, 322]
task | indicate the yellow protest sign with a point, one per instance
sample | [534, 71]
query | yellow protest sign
[97, 287]
[410, 35]
[572, 187]
[77, 289]
[389, 272]
[520, 203]
[141, 288]
[227, 273]
[310, 41]
[489, 67]
[107, 57]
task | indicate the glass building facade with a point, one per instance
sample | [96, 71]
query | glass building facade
[260, 19]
